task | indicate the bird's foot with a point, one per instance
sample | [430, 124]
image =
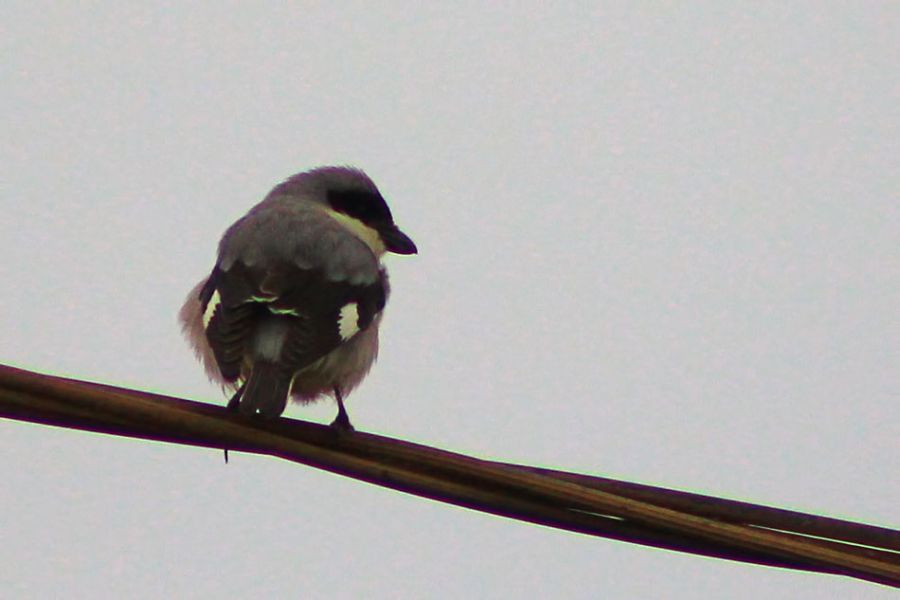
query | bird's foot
[342, 423]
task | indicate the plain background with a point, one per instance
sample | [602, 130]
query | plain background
[658, 241]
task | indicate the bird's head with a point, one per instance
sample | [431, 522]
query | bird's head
[352, 199]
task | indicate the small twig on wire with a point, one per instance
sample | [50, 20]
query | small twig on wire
[592, 505]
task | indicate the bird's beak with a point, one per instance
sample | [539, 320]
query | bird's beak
[396, 241]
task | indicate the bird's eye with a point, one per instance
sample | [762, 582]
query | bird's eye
[368, 207]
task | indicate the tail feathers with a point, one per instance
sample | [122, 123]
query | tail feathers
[266, 391]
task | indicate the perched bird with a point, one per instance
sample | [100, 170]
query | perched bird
[293, 303]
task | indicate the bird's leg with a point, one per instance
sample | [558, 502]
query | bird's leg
[236, 399]
[342, 420]
[233, 407]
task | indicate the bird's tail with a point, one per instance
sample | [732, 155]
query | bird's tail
[266, 391]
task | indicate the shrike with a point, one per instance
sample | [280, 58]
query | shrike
[293, 303]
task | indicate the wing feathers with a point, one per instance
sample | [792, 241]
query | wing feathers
[310, 306]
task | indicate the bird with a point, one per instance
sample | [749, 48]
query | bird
[293, 304]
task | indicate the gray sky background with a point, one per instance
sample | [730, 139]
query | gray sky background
[657, 242]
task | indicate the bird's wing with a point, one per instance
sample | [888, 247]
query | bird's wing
[300, 269]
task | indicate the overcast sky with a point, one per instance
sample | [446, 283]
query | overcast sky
[657, 242]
